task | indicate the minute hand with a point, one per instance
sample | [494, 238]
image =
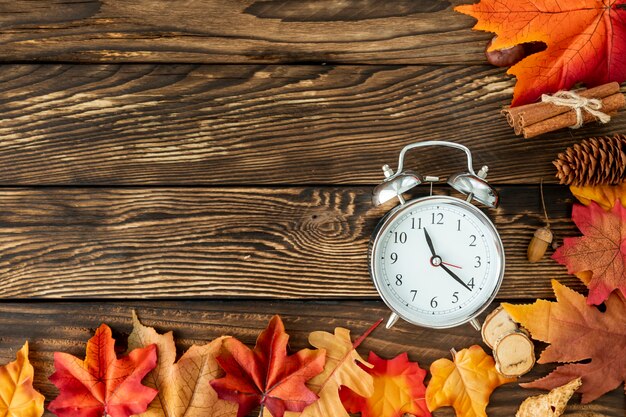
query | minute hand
[453, 275]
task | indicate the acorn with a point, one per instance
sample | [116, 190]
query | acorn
[542, 238]
[539, 244]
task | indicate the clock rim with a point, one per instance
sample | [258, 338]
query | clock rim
[395, 212]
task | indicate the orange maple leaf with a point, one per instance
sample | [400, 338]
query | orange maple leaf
[465, 384]
[576, 332]
[602, 249]
[586, 41]
[102, 384]
[266, 375]
[398, 389]
[18, 398]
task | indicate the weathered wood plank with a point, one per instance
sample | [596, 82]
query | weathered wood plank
[246, 31]
[195, 322]
[182, 124]
[230, 242]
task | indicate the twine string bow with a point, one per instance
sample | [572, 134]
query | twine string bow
[578, 103]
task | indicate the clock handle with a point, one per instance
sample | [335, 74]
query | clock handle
[465, 149]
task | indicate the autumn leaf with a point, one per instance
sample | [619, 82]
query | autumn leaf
[602, 249]
[465, 384]
[398, 389]
[18, 398]
[585, 39]
[341, 369]
[102, 384]
[577, 332]
[552, 404]
[604, 195]
[266, 376]
[184, 386]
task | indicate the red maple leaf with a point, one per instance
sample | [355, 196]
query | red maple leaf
[398, 389]
[585, 39]
[602, 249]
[102, 384]
[266, 375]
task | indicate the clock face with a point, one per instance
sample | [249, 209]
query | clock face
[437, 261]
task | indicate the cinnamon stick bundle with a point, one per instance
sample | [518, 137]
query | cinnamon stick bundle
[535, 119]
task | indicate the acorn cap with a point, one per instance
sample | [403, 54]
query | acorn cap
[545, 234]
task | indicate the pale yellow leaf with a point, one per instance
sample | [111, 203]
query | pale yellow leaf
[184, 388]
[341, 369]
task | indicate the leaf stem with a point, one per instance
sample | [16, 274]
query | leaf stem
[543, 204]
[360, 339]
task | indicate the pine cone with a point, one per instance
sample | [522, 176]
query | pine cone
[593, 161]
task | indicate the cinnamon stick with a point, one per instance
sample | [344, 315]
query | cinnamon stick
[529, 114]
[610, 106]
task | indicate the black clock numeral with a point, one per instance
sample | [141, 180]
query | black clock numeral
[419, 223]
[473, 240]
[394, 257]
[439, 218]
[458, 225]
[455, 295]
[478, 263]
[433, 302]
[414, 292]
[399, 280]
[471, 283]
[399, 237]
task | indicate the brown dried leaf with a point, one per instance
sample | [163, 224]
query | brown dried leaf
[551, 404]
[184, 388]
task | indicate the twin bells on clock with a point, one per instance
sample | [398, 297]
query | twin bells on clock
[472, 184]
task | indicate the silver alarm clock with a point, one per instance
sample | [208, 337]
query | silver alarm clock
[436, 261]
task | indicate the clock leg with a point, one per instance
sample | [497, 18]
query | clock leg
[475, 324]
[392, 320]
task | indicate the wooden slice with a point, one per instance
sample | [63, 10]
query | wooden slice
[497, 324]
[514, 354]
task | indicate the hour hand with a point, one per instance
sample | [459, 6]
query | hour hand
[429, 242]
[456, 278]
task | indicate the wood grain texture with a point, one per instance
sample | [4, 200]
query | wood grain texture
[245, 31]
[229, 242]
[66, 327]
[243, 124]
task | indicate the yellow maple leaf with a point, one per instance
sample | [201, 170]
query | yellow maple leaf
[184, 388]
[465, 384]
[18, 398]
[604, 195]
[341, 369]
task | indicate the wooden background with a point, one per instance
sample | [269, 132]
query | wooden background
[217, 158]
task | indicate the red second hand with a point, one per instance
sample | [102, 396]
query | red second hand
[453, 266]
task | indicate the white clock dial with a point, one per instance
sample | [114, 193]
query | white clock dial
[444, 282]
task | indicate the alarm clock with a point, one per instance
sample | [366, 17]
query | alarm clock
[436, 261]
